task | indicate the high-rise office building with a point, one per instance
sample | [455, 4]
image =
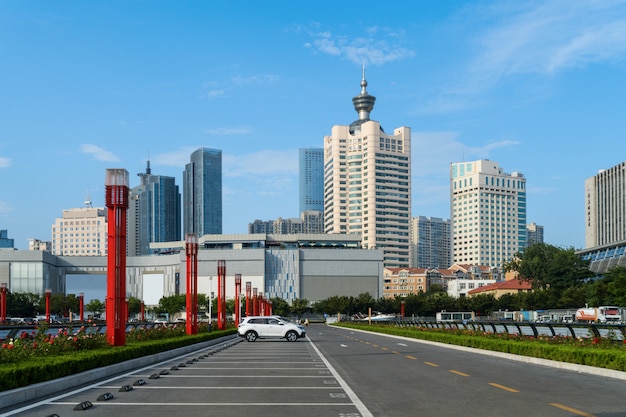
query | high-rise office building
[81, 232]
[367, 183]
[488, 213]
[534, 233]
[153, 212]
[430, 238]
[311, 178]
[5, 242]
[605, 207]
[202, 193]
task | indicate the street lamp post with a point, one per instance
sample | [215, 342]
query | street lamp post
[3, 303]
[48, 296]
[237, 294]
[192, 283]
[81, 307]
[116, 200]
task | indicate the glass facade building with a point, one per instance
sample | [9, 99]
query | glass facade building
[311, 190]
[154, 213]
[202, 193]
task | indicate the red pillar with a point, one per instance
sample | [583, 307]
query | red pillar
[269, 308]
[48, 295]
[221, 295]
[81, 307]
[142, 309]
[192, 283]
[248, 297]
[402, 308]
[261, 302]
[255, 303]
[3, 303]
[116, 201]
[237, 298]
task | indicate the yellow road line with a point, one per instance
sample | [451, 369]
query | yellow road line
[384, 348]
[411, 357]
[431, 364]
[458, 372]
[397, 353]
[571, 410]
[493, 384]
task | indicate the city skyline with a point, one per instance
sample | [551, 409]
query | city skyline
[534, 86]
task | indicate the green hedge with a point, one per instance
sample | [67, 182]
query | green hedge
[20, 374]
[608, 357]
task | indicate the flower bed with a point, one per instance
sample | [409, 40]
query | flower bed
[41, 355]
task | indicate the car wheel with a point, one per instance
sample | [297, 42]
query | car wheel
[251, 336]
[291, 336]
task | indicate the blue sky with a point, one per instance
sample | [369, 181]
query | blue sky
[537, 86]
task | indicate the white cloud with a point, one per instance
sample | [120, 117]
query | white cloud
[215, 89]
[227, 131]
[379, 47]
[4, 162]
[4, 207]
[548, 37]
[533, 38]
[98, 153]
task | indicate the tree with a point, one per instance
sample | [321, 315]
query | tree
[280, 307]
[299, 306]
[95, 306]
[173, 304]
[549, 267]
[134, 306]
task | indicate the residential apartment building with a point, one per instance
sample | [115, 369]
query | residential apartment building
[80, 232]
[605, 207]
[367, 183]
[154, 212]
[311, 179]
[311, 222]
[202, 192]
[430, 242]
[488, 213]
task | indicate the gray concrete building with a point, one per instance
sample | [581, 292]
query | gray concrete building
[306, 266]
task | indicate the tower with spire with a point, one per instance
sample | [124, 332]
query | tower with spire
[367, 183]
[154, 212]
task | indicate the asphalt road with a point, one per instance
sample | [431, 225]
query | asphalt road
[341, 373]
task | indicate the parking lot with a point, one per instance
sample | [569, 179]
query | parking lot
[266, 378]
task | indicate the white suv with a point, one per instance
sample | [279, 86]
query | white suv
[255, 327]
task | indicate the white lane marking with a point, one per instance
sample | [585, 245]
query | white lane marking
[402, 344]
[344, 346]
[357, 402]
[107, 381]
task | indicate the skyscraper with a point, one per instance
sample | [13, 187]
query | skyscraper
[488, 213]
[605, 207]
[202, 193]
[153, 213]
[311, 179]
[430, 242]
[534, 233]
[367, 182]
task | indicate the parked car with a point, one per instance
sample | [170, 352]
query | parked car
[255, 327]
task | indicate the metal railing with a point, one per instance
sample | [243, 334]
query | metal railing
[534, 329]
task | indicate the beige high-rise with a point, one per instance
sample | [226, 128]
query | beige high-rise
[80, 232]
[605, 207]
[367, 183]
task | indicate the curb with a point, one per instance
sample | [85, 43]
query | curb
[38, 391]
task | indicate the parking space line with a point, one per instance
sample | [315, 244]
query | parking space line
[353, 397]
